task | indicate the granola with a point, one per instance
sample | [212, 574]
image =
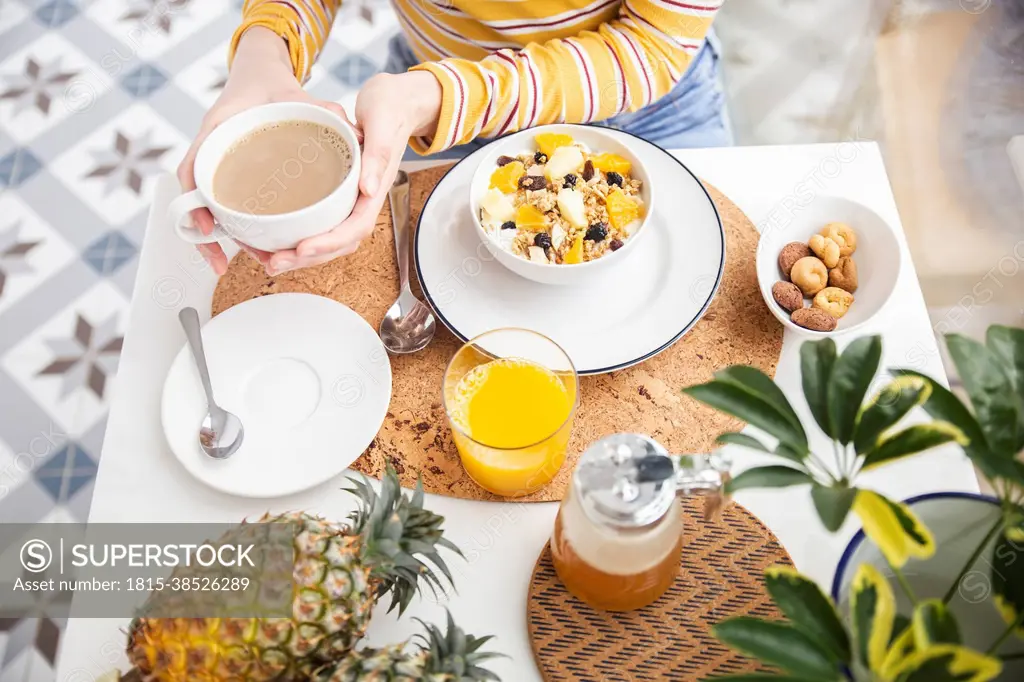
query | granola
[563, 204]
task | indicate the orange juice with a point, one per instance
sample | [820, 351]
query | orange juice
[512, 424]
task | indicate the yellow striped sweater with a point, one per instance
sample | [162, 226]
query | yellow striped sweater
[505, 65]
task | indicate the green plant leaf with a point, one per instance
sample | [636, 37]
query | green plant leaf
[744, 405]
[783, 450]
[1007, 576]
[944, 405]
[933, 623]
[851, 376]
[833, 504]
[778, 644]
[760, 384]
[1008, 345]
[989, 388]
[893, 528]
[816, 361]
[901, 645]
[872, 614]
[947, 663]
[887, 407]
[775, 476]
[912, 440]
[808, 609]
[743, 440]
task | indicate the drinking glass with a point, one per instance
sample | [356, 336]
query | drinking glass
[520, 469]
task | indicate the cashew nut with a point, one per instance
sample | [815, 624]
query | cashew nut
[810, 274]
[825, 249]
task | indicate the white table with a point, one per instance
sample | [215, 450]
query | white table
[140, 481]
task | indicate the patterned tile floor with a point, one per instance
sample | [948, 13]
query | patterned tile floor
[96, 97]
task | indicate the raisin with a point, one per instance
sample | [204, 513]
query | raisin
[532, 182]
[570, 181]
[508, 225]
[505, 160]
[597, 232]
[588, 170]
[615, 244]
[540, 157]
[614, 179]
[543, 240]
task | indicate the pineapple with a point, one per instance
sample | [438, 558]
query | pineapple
[338, 574]
[454, 657]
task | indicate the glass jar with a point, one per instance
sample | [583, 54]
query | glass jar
[618, 535]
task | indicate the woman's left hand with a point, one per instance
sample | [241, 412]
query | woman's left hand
[389, 110]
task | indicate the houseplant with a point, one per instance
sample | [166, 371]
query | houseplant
[881, 644]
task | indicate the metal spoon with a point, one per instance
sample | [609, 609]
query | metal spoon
[221, 433]
[408, 325]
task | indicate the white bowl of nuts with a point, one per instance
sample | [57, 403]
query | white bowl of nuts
[831, 269]
[559, 204]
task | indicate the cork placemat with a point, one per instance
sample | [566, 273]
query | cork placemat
[415, 437]
[720, 576]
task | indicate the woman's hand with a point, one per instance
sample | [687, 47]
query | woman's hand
[261, 73]
[389, 110]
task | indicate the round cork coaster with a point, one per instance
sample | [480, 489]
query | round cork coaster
[720, 576]
[415, 438]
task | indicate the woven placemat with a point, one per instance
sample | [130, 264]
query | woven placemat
[721, 575]
[415, 438]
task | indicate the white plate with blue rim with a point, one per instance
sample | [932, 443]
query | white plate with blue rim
[307, 376]
[643, 305]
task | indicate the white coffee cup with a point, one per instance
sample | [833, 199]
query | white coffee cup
[267, 232]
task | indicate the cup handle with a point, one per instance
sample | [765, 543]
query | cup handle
[179, 211]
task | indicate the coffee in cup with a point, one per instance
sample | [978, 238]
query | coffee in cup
[282, 167]
[273, 176]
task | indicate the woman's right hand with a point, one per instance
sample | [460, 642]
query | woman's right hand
[261, 73]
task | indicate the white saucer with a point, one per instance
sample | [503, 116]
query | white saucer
[644, 305]
[307, 376]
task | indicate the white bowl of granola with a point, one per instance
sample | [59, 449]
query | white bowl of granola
[560, 204]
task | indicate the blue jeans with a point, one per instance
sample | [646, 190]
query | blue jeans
[692, 114]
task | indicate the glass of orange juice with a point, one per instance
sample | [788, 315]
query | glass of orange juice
[511, 396]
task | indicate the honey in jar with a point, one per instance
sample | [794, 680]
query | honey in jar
[618, 535]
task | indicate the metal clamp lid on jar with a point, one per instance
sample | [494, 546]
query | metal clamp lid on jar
[629, 480]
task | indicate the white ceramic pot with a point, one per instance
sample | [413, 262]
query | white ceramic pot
[958, 521]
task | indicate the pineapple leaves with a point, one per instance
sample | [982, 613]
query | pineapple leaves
[398, 537]
[808, 609]
[779, 644]
[743, 397]
[991, 393]
[851, 376]
[912, 440]
[816, 361]
[832, 504]
[887, 407]
[776, 476]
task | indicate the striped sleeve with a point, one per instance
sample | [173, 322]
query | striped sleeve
[626, 64]
[304, 25]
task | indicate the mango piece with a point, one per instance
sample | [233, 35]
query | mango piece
[506, 178]
[547, 143]
[530, 218]
[622, 210]
[612, 163]
[575, 253]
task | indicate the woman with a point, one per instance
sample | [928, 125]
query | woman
[465, 70]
